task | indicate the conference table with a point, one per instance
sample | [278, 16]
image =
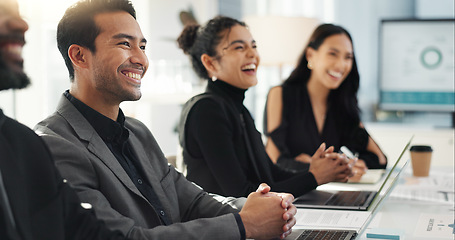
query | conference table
[409, 215]
[416, 208]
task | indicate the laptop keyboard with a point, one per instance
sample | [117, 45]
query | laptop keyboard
[324, 234]
[348, 198]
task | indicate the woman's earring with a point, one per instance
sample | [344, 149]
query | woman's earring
[309, 65]
[214, 78]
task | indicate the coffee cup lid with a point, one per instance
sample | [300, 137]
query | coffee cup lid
[421, 148]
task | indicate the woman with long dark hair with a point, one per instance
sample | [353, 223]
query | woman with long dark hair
[318, 103]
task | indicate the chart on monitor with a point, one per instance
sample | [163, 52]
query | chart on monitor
[416, 66]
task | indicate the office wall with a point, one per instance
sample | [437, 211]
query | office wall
[435, 8]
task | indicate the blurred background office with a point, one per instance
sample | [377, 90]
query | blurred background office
[278, 26]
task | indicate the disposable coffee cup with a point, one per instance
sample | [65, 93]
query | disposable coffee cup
[421, 160]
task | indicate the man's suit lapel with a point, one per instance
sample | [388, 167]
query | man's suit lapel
[95, 145]
[150, 173]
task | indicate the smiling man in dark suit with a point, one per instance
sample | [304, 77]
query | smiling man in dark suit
[114, 162]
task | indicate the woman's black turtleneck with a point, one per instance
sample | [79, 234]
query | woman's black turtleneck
[215, 148]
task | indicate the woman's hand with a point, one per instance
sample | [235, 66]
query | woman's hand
[327, 166]
[359, 168]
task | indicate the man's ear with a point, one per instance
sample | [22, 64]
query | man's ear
[209, 63]
[78, 55]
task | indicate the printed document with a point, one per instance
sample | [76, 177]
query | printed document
[438, 187]
[330, 219]
[435, 226]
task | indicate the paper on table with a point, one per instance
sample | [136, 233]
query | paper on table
[428, 195]
[371, 176]
[435, 226]
[436, 188]
[330, 219]
[437, 181]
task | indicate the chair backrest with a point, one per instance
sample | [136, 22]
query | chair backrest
[179, 163]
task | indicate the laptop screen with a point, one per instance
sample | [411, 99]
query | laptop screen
[392, 169]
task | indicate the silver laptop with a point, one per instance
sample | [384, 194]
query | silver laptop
[301, 234]
[345, 200]
[349, 234]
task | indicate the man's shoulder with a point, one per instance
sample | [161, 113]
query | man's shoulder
[140, 131]
[136, 126]
[58, 130]
[56, 120]
[50, 125]
[134, 122]
[12, 129]
[23, 143]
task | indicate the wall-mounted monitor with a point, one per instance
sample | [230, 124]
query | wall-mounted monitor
[416, 66]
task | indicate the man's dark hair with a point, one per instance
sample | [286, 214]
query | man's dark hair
[78, 26]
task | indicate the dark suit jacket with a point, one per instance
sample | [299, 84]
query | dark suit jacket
[88, 164]
[43, 205]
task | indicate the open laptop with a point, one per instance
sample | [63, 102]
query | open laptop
[345, 200]
[303, 234]
[350, 234]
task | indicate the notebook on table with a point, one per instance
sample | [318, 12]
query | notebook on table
[349, 234]
[345, 200]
